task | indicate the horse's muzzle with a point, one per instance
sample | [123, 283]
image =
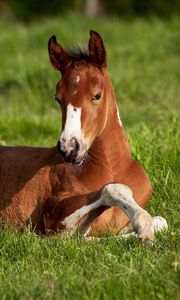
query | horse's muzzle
[69, 154]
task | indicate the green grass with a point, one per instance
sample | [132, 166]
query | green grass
[144, 64]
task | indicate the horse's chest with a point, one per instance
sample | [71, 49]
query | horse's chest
[68, 182]
[64, 184]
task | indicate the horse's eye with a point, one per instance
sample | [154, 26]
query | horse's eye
[96, 97]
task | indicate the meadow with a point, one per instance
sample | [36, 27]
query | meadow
[144, 64]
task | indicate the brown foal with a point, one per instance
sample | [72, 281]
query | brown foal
[89, 183]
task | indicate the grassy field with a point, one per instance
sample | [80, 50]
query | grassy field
[144, 64]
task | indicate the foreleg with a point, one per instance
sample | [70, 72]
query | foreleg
[88, 207]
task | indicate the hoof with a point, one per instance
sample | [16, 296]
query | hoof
[144, 227]
[159, 224]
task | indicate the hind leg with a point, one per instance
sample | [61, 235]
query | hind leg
[159, 224]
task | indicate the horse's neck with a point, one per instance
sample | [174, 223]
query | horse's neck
[113, 142]
[110, 152]
[112, 145]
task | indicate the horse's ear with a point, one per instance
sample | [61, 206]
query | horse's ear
[58, 56]
[97, 53]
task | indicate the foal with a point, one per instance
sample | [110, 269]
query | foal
[89, 183]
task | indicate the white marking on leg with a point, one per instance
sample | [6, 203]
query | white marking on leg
[159, 224]
[72, 219]
[87, 231]
[121, 195]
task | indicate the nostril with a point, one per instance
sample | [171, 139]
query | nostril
[59, 146]
[69, 151]
[75, 145]
[59, 149]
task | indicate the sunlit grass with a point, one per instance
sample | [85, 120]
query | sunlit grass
[144, 65]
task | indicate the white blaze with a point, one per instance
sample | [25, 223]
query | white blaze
[73, 123]
[72, 129]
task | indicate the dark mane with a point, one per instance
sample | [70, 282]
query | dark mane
[78, 53]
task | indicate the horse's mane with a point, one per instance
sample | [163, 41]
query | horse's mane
[78, 53]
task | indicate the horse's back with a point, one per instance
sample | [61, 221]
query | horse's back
[24, 181]
[4, 149]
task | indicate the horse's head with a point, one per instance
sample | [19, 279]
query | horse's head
[82, 95]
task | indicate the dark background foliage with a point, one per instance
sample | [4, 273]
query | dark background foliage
[25, 10]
